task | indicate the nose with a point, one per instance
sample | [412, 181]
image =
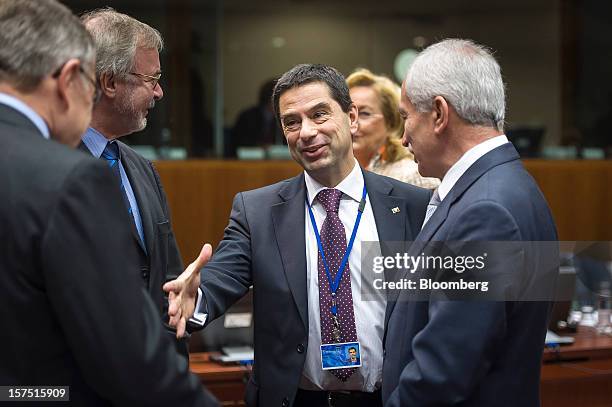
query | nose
[308, 129]
[158, 92]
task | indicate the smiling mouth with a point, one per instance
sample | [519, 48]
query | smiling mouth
[314, 152]
[313, 149]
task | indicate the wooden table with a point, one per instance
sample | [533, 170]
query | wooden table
[200, 195]
[226, 382]
[577, 375]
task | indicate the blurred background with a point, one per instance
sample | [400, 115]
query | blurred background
[556, 57]
[213, 133]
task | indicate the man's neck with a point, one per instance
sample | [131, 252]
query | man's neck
[331, 177]
[463, 141]
[104, 128]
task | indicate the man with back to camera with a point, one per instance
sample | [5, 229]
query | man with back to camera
[67, 299]
[270, 243]
[128, 71]
[469, 352]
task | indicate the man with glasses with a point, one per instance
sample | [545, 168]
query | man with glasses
[67, 297]
[128, 73]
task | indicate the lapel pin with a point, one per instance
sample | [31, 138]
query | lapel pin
[395, 210]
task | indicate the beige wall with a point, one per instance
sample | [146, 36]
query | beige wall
[526, 40]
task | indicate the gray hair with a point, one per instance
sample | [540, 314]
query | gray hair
[37, 37]
[466, 75]
[117, 36]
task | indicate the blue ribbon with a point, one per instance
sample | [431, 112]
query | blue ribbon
[335, 283]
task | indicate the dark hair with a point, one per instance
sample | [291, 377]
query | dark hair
[306, 73]
[353, 348]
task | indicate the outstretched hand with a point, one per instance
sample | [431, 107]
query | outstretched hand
[182, 292]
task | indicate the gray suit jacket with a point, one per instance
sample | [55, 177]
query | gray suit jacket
[474, 352]
[264, 245]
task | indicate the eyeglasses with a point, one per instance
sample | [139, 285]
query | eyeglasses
[97, 91]
[152, 79]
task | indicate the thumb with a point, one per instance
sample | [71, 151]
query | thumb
[203, 258]
[173, 286]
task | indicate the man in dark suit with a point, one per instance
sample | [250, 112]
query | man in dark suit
[129, 82]
[277, 239]
[468, 352]
[67, 297]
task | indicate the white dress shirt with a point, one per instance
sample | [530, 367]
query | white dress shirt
[458, 169]
[465, 162]
[369, 315]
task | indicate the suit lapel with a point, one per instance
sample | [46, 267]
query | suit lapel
[84, 148]
[144, 196]
[390, 223]
[288, 220]
[495, 157]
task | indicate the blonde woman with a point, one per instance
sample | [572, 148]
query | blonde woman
[377, 143]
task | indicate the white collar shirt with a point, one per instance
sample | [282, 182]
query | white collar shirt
[369, 314]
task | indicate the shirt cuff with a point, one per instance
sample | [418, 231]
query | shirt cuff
[198, 318]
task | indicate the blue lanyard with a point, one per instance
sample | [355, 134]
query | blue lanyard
[335, 283]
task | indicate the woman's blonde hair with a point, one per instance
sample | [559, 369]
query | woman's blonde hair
[388, 94]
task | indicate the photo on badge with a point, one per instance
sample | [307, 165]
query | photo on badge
[340, 355]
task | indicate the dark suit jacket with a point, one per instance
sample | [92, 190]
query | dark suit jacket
[264, 245]
[473, 353]
[72, 312]
[161, 261]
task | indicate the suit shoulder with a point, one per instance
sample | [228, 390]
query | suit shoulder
[47, 161]
[272, 189]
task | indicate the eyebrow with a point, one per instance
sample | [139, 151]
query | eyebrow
[320, 105]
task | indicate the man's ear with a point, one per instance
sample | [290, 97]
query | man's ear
[353, 116]
[440, 114]
[67, 78]
[108, 84]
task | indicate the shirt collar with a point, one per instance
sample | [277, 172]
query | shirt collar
[352, 185]
[467, 159]
[94, 141]
[27, 111]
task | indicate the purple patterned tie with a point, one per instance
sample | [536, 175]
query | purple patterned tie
[333, 240]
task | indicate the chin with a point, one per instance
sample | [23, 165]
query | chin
[141, 125]
[424, 171]
[317, 165]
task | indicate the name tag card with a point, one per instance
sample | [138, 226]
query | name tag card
[340, 355]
